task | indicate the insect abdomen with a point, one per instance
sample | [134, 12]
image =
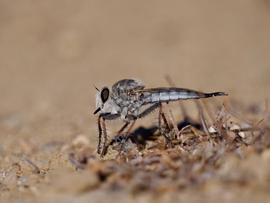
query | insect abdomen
[174, 94]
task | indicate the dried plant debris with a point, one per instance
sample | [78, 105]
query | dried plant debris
[217, 149]
[222, 148]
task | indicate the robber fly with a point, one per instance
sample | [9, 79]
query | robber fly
[125, 101]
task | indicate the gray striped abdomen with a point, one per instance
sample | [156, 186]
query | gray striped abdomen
[172, 94]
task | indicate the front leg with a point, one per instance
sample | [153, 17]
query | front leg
[99, 133]
[102, 127]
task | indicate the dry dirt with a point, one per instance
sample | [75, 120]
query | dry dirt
[53, 53]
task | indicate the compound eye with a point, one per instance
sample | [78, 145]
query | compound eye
[104, 94]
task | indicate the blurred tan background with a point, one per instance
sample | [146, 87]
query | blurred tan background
[52, 53]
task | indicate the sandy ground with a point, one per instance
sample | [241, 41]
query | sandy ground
[52, 53]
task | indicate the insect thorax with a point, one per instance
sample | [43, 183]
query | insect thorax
[126, 101]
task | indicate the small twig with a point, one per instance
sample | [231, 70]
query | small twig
[183, 129]
[75, 162]
[207, 109]
[36, 168]
[216, 133]
[201, 116]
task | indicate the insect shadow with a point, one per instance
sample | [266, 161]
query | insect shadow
[141, 135]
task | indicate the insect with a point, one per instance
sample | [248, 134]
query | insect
[129, 100]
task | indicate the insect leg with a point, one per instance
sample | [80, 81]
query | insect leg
[105, 148]
[149, 110]
[105, 137]
[130, 127]
[126, 135]
[172, 119]
[99, 134]
[102, 127]
[162, 115]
